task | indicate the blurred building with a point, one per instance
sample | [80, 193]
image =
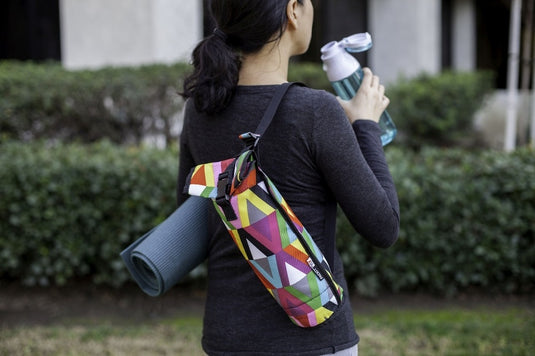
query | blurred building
[128, 32]
[96, 33]
[410, 36]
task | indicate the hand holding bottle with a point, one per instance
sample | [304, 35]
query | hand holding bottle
[346, 75]
[370, 101]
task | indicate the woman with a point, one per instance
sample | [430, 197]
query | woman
[318, 151]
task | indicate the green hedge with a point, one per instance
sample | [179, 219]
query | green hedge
[119, 104]
[467, 219]
[310, 74]
[439, 109]
[427, 109]
[125, 104]
[67, 210]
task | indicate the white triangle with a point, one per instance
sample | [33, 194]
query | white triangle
[333, 300]
[196, 189]
[257, 254]
[294, 275]
[263, 186]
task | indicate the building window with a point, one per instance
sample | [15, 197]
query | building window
[492, 22]
[335, 20]
[30, 30]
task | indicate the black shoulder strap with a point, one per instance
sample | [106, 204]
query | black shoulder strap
[272, 108]
[330, 218]
[251, 139]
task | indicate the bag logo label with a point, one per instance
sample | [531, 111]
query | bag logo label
[312, 266]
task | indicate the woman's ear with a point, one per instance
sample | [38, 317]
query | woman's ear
[292, 13]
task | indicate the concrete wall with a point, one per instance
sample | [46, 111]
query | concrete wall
[406, 33]
[407, 37]
[464, 35]
[96, 33]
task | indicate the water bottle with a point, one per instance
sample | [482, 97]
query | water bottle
[345, 74]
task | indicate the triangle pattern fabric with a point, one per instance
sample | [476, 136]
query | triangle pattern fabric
[254, 213]
[267, 267]
[303, 287]
[266, 232]
[199, 176]
[256, 254]
[295, 276]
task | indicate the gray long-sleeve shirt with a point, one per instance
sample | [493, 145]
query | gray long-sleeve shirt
[316, 158]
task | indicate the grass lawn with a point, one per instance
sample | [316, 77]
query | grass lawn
[445, 331]
[448, 332]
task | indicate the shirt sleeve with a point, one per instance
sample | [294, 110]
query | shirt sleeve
[353, 163]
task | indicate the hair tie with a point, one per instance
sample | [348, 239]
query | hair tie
[220, 34]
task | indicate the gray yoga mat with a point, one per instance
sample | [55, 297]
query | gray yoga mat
[167, 253]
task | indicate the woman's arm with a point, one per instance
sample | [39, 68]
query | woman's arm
[352, 161]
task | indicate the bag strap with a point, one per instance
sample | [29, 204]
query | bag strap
[251, 140]
[224, 180]
[330, 210]
[272, 108]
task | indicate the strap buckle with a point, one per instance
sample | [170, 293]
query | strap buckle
[250, 139]
[223, 195]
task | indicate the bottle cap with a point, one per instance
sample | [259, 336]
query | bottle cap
[337, 62]
[357, 43]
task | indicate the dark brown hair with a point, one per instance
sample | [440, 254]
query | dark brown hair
[243, 27]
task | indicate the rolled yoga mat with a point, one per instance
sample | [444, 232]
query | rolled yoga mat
[167, 253]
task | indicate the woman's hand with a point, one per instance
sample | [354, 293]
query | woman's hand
[369, 102]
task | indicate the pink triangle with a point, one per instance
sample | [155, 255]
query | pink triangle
[266, 231]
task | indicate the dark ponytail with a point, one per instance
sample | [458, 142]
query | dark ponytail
[242, 27]
[215, 75]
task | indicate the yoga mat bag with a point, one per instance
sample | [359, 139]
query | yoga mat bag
[167, 253]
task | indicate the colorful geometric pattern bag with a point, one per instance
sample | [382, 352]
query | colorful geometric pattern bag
[279, 249]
